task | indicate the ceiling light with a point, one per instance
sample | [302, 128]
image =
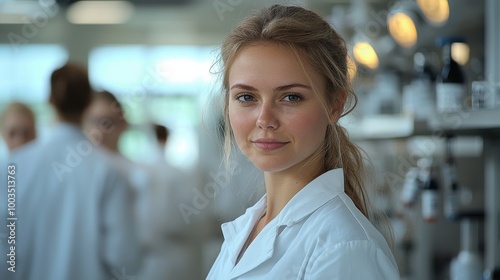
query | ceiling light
[100, 12]
[460, 52]
[365, 54]
[435, 11]
[371, 51]
[402, 24]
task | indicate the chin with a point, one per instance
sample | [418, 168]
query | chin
[270, 166]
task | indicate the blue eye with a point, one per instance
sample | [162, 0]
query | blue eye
[292, 98]
[244, 98]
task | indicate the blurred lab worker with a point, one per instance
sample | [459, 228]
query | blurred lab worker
[104, 121]
[104, 124]
[17, 124]
[170, 246]
[286, 85]
[73, 210]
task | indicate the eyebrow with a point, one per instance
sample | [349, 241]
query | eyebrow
[278, 88]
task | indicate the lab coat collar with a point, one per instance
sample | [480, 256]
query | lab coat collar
[311, 197]
[306, 201]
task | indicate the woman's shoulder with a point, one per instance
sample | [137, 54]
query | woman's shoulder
[339, 229]
[339, 221]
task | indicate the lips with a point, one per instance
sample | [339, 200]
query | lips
[269, 144]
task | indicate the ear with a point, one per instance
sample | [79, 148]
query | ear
[338, 102]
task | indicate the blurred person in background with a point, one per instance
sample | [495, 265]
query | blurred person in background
[161, 133]
[158, 189]
[73, 209]
[104, 121]
[18, 125]
[170, 246]
[104, 124]
[286, 85]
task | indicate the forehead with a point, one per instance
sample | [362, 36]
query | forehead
[17, 124]
[273, 64]
[17, 117]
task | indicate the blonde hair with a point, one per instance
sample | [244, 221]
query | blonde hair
[316, 43]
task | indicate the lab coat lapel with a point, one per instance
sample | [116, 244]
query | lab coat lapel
[260, 250]
[236, 232]
[315, 194]
[312, 196]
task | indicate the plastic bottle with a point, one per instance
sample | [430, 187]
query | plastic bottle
[468, 264]
[452, 200]
[418, 97]
[450, 82]
[411, 187]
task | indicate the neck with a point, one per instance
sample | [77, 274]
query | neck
[282, 186]
[74, 120]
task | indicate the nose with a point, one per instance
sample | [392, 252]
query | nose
[267, 117]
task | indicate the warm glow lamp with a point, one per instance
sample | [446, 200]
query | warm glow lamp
[460, 52]
[435, 11]
[402, 24]
[365, 54]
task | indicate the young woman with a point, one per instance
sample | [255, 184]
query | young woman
[286, 86]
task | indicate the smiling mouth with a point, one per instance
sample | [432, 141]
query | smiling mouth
[268, 145]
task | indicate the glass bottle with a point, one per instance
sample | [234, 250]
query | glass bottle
[430, 193]
[450, 82]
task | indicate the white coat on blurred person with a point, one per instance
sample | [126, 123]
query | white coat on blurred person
[104, 123]
[74, 216]
[171, 244]
[158, 190]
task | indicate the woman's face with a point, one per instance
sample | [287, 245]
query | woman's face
[277, 120]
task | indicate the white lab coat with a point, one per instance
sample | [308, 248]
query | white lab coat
[140, 180]
[171, 248]
[74, 212]
[319, 234]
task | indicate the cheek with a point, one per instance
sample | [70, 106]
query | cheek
[310, 127]
[239, 124]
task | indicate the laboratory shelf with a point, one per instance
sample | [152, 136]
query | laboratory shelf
[386, 127]
[481, 122]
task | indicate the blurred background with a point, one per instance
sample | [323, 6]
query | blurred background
[436, 157]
